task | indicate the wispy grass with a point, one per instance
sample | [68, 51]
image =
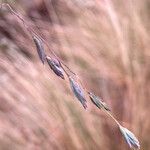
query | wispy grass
[113, 37]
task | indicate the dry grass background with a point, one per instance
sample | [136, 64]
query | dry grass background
[106, 43]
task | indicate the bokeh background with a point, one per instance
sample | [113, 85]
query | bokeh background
[106, 42]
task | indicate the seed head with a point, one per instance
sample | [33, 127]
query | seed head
[98, 102]
[78, 92]
[55, 66]
[40, 48]
[130, 138]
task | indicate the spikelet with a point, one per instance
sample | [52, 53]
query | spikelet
[130, 138]
[55, 66]
[98, 102]
[40, 48]
[78, 92]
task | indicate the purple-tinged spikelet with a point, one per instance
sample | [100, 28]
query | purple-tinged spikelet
[78, 92]
[40, 48]
[55, 66]
[98, 102]
[130, 138]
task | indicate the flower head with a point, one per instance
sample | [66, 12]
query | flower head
[130, 138]
[78, 92]
[55, 66]
[98, 101]
[40, 48]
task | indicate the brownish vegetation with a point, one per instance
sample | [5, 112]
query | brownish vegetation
[106, 43]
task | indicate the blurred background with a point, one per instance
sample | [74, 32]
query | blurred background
[106, 42]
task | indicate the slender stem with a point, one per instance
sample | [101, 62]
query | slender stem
[112, 117]
[65, 71]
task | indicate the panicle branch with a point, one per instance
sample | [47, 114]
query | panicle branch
[59, 68]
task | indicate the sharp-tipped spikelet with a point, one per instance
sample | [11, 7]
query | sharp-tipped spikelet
[130, 138]
[98, 102]
[40, 48]
[55, 66]
[78, 92]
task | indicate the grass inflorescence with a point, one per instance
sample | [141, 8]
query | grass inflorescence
[61, 69]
